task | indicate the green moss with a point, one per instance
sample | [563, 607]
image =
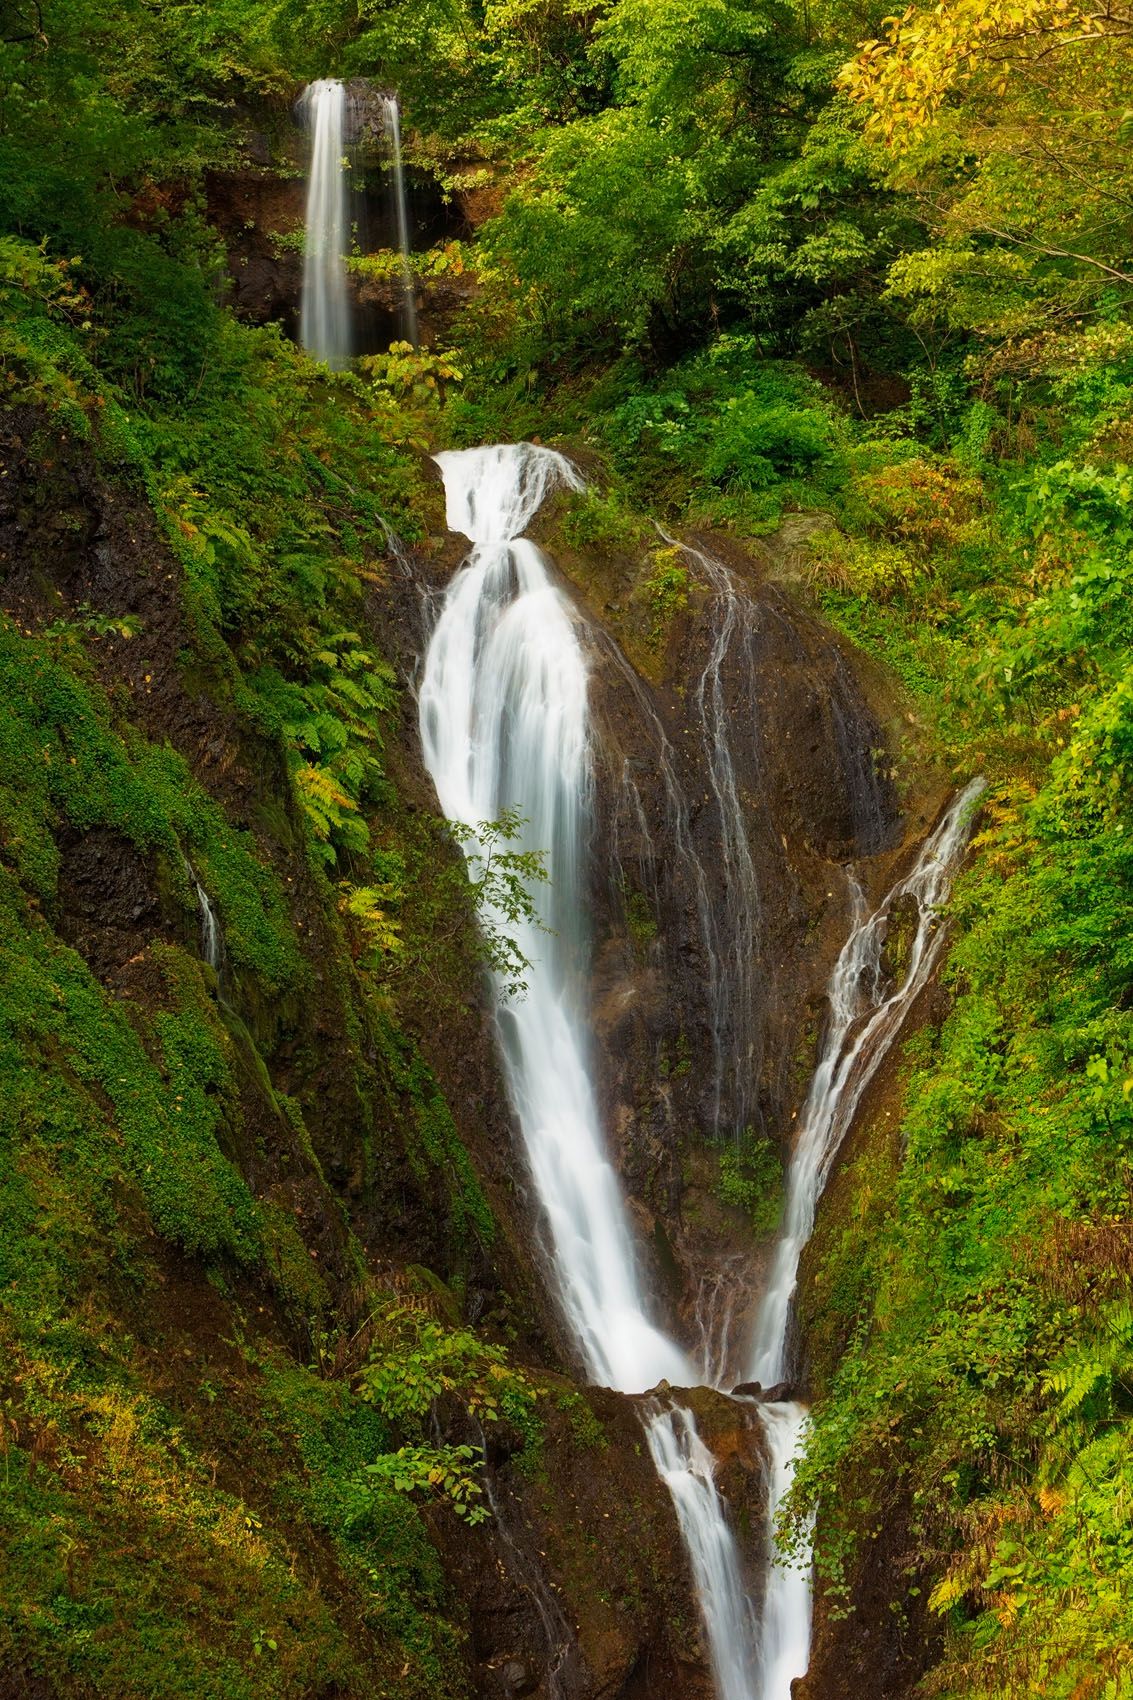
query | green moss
[749, 1177]
[154, 1121]
[640, 920]
[126, 1570]
[382, 1539]
[432, 1143]
[587, 1430]
[666, 591]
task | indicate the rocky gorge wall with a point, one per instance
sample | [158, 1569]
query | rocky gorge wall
[383, 1153]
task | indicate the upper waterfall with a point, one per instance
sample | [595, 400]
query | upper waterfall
[391, 116]
[324, 316]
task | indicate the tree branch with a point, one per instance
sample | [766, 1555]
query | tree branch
[1055, 253]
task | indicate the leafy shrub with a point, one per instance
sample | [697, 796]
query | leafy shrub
[754, 443]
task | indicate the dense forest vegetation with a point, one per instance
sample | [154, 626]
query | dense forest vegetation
[762, 265]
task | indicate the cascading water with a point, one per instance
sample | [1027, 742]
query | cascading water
[866, 1014]
[212, 939]
[391, 116]
[505, 725]
[208, 921]
[731, 957]
[324, 314]
[687, 1468]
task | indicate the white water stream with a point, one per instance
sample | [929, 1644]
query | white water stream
[866, 1013]
[391, 114]
[212, 938]
[324, 312]
[505, 726]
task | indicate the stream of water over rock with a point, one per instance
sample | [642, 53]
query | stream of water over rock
[391, 115]
[505, 726]
[324, 313]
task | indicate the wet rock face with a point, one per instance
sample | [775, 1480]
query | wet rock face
[579, 1589]
[730, 794]
[109, 907]
[877, 1649]
[260, 214]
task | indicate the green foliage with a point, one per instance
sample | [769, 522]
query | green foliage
[666, 590]
[601, 521]
[443, 1470]
[750, 1178]
[503, 886]
[417, 1360]
[640, 919]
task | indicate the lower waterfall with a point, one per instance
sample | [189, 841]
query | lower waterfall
[505, 726]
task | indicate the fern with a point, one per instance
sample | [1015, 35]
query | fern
[324, 803]
[368, 906]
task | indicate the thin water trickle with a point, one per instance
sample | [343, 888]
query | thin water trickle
[324, 313]
[391, 115]
[212, 939]
[732, 952]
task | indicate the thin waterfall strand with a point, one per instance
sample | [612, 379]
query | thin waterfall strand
[687, 1468]
[866, 1015]
[732, 957]
[212, 939]
[505, 725]
[391, 114]
[324, 314]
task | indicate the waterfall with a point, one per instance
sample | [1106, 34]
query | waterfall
[505, 725]
[687, 1468]
[504, 720]
[212, 939]
[324, 316]
[866, 1014]
[391, 117]
[208, 921]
